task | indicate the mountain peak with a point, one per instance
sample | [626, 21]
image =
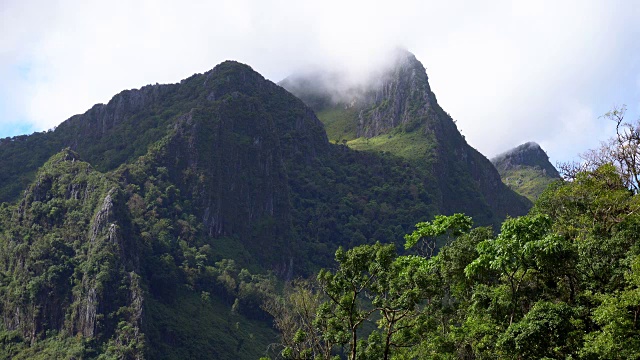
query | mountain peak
[529, 154]
[526, 169]
[396, 94]
[403, 58]
[231, 66]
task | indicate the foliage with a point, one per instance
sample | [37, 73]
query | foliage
[452, 226]
[413, 145]
[529, 182]
[294, 314]
[338, 123]
[546, 331]
[560, 282]
[621, 151]
[372, 284]
[617, 318]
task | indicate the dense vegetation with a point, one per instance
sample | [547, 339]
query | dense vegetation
[560, 282]
[84, 257]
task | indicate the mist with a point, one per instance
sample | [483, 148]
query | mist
[342, 85]
[507, 72]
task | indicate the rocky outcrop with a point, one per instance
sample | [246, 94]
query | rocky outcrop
[401, 96]
[66, 253]
[102, 118]
[530, 155]
[235, 149]
[526, 169]
[236, 146]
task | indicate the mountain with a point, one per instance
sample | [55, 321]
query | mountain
[155, 225]
[116, 259]
[526, 169]
[395, 111]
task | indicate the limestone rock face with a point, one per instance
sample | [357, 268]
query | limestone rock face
[401, 96]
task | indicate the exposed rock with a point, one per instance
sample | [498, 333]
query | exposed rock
[400, 97]
[529, 154]
[102, 217]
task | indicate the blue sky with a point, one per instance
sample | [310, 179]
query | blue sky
[507, 71]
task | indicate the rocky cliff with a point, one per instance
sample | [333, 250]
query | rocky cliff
[529, 154]
[74, 266]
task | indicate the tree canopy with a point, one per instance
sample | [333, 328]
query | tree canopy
[560, 282]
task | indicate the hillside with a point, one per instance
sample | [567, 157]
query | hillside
[395, 111]
[155, 225]
[526, 169]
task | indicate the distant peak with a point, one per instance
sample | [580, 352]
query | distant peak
[529, 154]
[232, 68]
[394, 94]
[530, 145]
[403, 55]
[232, 64]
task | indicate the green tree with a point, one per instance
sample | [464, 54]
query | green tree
[426, 232]
[347, 307]
[618, 317]
[524, 247]
[548, 330]
[294, 315]
[397, 294]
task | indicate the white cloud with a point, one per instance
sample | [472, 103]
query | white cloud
[508, 72]
[578, 128]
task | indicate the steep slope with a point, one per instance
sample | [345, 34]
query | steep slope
[96, 264]
[526, 169]
[229, 125]
[118, 132]
[71, 212]
[395, 111]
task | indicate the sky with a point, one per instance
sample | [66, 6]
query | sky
[508, 72]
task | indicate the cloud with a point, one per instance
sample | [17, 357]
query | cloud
[508, 72]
